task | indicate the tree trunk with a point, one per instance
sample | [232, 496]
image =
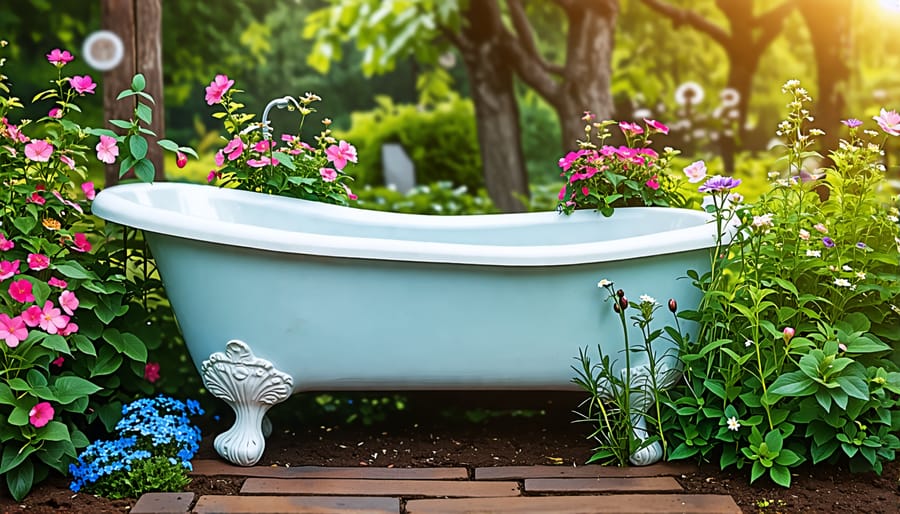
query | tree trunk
[138, 23]
[496, 111]
[744, 63]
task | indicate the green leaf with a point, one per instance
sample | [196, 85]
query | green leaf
[144, 113]
[84, 345]
[13, 455]
[73, 269]
[284, 160]
[795, 383]
[121, 124]
[138, 83]
[25, 224]
[56, 343]
[70, 388]
[168, 144]
[824, 451]
[864, 344]
[53, 431]
[124, 94]
[20, 480]
[756, 471]
[126, 343]
[780, 475]
[144, 170]
[683, 451]
[854, 386]
[138, 146]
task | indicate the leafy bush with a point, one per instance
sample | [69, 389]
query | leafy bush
[437, 198]
[153, 452]
[792, 358]
[441, 141]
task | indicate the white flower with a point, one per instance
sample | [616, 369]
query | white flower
[748, 343]
[861, 275]
[846, 268]
[804, 234]
[813, 253]
[603, 283]
[730, 97]
[648, 299]
[695, 172]
[733, 424]
[763, 221]
[689, 93]
[842, 282]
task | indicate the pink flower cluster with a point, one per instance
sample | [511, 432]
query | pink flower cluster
[49, 317]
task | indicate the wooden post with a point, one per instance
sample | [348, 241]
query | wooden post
[138, 23]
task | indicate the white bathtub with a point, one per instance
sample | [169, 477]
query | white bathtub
[306, 296]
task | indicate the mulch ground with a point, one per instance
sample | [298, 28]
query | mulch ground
[512, 429]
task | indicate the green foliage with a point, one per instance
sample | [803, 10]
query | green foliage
[437, 198]
[798, 319]
[441, 141]
[154, 474]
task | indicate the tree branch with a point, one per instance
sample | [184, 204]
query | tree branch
[525, 37]
[686, 16]
[772, 22]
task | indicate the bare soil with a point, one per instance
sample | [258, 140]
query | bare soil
[487, 429]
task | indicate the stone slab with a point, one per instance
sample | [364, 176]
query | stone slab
[211, 467]
[295, 505]
[407, 488]
[163, 503]
[590, 471]
[603, 485]
[609, 504]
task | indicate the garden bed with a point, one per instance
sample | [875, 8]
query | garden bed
[496, 429]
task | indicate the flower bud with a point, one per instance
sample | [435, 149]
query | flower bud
[623, 302]
[620, 293]
[180, 159]
[616, 308]
[788, 333]
[673, 305]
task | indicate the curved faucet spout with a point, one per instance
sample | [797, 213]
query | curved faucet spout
[280, 103]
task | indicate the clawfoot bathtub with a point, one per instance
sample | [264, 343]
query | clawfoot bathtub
[276, 295]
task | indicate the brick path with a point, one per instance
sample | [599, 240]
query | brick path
[510, 489]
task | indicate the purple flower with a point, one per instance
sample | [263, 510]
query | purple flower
[861, 245]
[852, 122]
[828, 242]
[719, 183]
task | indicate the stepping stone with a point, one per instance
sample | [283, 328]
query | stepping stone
[346, 487]
[210, 467]
[611, 504]
[295, 505]
[163, 503]
[591, 471]
[603, 485]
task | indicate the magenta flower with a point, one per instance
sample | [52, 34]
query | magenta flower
[55, 113]
[328, 174]
[151, 372]
[59, 57]
[566, 162]
[36, 198]
[38, 151]
[217, 88]
[58, 362]
[52, 319]
[852, 122]
[32, 316]
[8, 269]
[83, 85]
[263, 146]
[5, 244]
[41, 414]
[107, 149]
[81, 243]
[212, 175]
[69, 329]
[233, 149]
[657, 126]
[719, 183]
[68, 301]
[889, 121]
[68, 161]
[262, 161]
[350, 194]
[180, 159]
[20, 291]
[653, 183]
[55, 282]
[88, 189]
[630, 128]
[12, 330]
[695, 172]
[585, 191]
[340, 153]
[37, 261]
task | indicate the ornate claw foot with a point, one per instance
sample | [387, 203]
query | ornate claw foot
[649, 454]
[641, 401]
[251, 386]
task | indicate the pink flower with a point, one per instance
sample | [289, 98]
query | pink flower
[88, 189]
[5, 244]
[562, 194]
[36, 198]
[58, 362]
[889, 121]
[217, 88]
[180, 159]
[83, 85]
[41, 414]
[803, 234]
[13, 330]
[233, 149]
[566, 162]
[67, 202]
[68, 301]
[37, 261]
[55, 282]
[8, 269]
[107, 150]
[69, 329]
[262, 161]
[328, 174]
[585, 191]
[52, 320]
[151, 372]
[38, 151]
[695, 172]
[788, 334]
[263, 146]
[630, 128]
[81, 243]
[653, 183]
[20, 290]
[821, 228]
[55, 113]
[350, 194]
[32, 316]
[59, 57]
[213, 174]
[340, 153]
[657, 126]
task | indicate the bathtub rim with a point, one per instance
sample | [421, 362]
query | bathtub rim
[112, 204]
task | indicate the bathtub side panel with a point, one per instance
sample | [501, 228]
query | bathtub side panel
[354, 324]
